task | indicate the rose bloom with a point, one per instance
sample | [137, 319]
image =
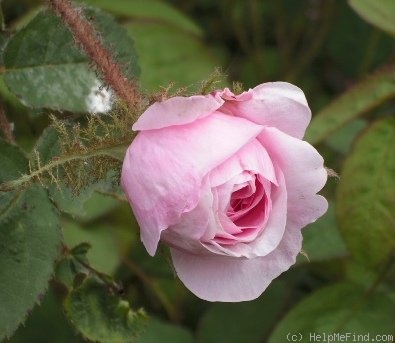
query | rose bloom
[227, 182]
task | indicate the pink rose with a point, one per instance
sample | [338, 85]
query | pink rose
[227, 182]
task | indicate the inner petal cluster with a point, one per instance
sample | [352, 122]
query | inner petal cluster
[241, 210]
[247, 211]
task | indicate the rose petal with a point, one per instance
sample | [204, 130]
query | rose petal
[276, 104]
[227, 94]
[270, 237]
[193, 224]
[163, 169]
[224, 191]
[304, 173]
[238, 169]
[247, 213]
[252, 157]
[177, 111]
[313, 208]
[221, 278]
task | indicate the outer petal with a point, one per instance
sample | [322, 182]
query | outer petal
[277, 104]
[188, 232]
[163, 169]
[220, 278]
[304, 173]
[227, 94]
[177, 111]
[252, 157]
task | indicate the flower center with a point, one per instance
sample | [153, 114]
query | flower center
[247, 212]
[243, 199]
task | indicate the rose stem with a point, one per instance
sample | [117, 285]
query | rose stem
[86, 36]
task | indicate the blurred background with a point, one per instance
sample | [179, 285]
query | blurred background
[325, 48]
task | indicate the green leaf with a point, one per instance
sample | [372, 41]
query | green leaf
[363, 97]
[104, 255]
[243, 322]
[29, 244]
[87, 205]
[13, 162]
[7, 96]
[322, 240]
[73, 266]
[174, 55]
[48, 314]
[98, 205]
[100, 315]
[80, 205]
[66, 201]
[378, 13]
[80, 251]
[342, 139]
[65, 272]
[148, 10]
[158, 331]
[366, 194]
[47, 146]
[117, 152]
[360, 274]
[352, 37]
[42, 63]
[341, 308]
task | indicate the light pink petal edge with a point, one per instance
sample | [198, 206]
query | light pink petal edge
[276, 104]
[177, 111]
[232, 279]
[304, 173]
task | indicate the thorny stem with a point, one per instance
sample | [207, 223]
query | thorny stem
[11, 185]
[5, 126]
[86, 36]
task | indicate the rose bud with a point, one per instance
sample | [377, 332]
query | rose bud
[227, 182]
